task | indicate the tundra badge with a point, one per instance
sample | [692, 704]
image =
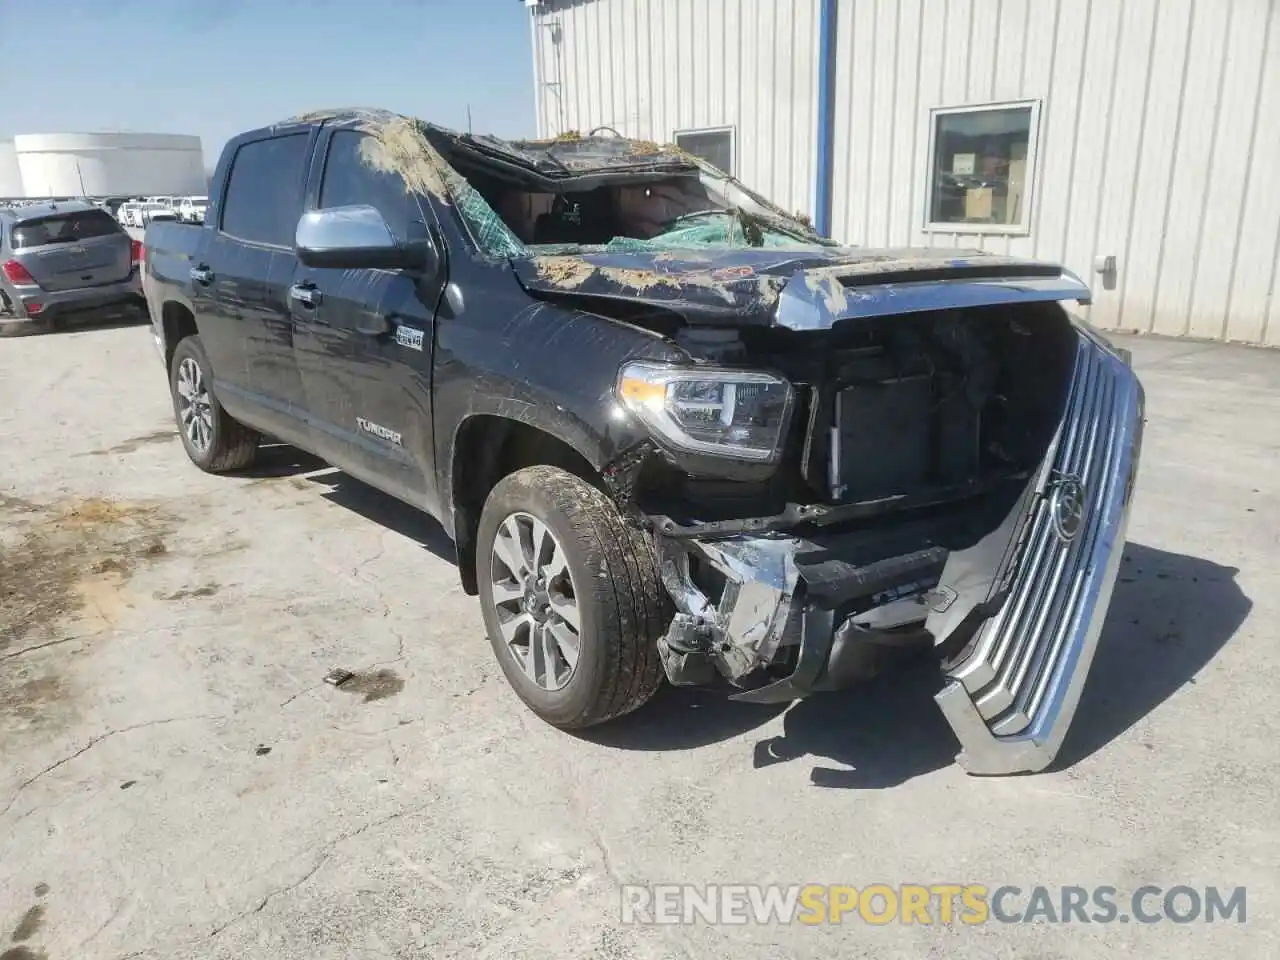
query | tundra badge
[383, 433]
[410, 337]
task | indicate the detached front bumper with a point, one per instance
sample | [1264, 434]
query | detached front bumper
[1010, 695]
[817, 604]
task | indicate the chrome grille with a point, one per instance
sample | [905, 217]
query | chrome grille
[1025, 651]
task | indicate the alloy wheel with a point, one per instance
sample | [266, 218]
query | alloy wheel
[535, 600]
[195, 409]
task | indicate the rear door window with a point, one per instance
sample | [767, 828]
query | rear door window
[264, 195]
[64, 228]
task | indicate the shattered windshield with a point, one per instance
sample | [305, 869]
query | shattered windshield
[699, 209]
[670, 213]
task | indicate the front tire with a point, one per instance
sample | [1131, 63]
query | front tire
[571, 598]
[213, 439]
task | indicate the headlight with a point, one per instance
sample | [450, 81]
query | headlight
[725, 413]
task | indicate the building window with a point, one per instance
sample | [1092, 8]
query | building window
[982, 162]
[714, 146]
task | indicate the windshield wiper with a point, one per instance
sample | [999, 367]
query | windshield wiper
[698, 214]
[751, 231]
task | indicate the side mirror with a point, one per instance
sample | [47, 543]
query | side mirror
[356, 237]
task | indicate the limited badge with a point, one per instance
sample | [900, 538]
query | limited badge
[410, 337]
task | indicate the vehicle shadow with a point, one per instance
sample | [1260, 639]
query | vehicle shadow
[1170, 615]
[68, 325]
[277, 460]
[86, 325]
[882, 733]
[682, 718]
[385, 510]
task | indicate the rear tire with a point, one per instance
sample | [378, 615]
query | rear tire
[213, 439]
[596, 570]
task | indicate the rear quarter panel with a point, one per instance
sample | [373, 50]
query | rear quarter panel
[171, 249]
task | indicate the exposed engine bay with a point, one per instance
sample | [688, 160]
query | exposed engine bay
[911, 438]
[890, 414]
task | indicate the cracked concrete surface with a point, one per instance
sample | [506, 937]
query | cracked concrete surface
[176, 780]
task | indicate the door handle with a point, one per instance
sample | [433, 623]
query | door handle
[201, 275]
[306, 294]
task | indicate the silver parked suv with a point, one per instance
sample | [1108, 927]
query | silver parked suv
[63, 258]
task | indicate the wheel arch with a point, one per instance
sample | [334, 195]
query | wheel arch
[177, 322]
[487, 446]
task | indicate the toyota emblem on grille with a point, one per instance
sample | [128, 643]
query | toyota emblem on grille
[1066, 508]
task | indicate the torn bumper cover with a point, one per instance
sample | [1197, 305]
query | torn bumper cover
[1011, 693]
[813, 604]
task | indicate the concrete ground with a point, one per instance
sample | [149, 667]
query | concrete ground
[177, 781]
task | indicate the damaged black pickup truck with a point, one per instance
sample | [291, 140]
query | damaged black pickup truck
[671, 430]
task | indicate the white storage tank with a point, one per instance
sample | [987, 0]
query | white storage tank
[10, 176]
[107, 164]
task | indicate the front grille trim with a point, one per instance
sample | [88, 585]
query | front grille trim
[1012, 698]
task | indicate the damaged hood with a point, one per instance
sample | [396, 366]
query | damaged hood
[799, 289]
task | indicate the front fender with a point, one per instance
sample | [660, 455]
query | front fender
[526, 407]
[548, 368]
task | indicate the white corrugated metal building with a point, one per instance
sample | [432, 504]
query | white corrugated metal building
[1136, 142]
[107, 164]
[10, 175]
